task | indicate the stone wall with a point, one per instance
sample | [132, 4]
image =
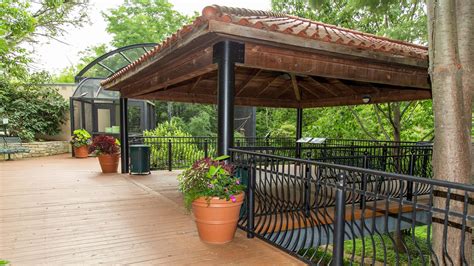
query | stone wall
[38, 149]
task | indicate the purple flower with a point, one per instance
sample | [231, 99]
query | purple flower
[237, 182]
[232, 197]
[210, 186]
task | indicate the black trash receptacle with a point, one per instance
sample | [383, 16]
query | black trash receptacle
[139, 159]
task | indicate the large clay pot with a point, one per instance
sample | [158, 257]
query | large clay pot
[109, 162]
[81, 152]
[217, 220]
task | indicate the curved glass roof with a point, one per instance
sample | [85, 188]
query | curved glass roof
[89, 88]
[111, 62]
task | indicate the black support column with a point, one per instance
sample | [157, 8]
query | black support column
[226, 54]
[299, 130]
[124, 135]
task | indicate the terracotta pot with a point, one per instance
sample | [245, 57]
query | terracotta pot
[109, 162]
[217, 220]
[81, 152]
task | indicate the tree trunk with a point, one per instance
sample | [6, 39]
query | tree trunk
[450, 41]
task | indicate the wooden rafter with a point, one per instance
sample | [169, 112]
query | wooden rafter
[194, 84]
[268, 86]
[303, 86]
[324, 87]
[241, 89]
[341, 85]
[296, 89]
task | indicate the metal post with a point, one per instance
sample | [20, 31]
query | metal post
[364, 180]
[307, 190]
[339, 222]
[251, 199]
[411, 172]
[206, 149]
[226, 54]
[170, 156]
[71, 120]
[124, 151]
[299, 130]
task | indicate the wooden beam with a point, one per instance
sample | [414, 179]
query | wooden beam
[304, 63]
[194, 84]
[382, 97]
[242, 87]
[308, 89]
[296, 89]
[269, 84]
[322, 86]
[180, 70]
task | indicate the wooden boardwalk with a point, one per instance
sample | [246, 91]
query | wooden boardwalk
[59, 210]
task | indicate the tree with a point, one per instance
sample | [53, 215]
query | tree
[140, 21]
[451, 46]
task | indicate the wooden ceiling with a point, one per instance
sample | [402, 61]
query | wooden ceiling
[279, 69]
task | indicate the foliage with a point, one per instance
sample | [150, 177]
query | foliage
[32, 109]
[140, 21]
[80, 138]
[186, 151]
[24, 22]
[403, 20]
[386, 252]
[4, 262]
[209, 178]
[104, 144]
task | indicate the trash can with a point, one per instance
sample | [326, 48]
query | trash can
[139, 159]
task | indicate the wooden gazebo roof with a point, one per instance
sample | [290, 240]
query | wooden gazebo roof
[288, 62]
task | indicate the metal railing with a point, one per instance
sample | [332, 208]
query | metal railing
[180, 152]
[328, 214]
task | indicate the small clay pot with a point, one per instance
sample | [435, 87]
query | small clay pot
[81, 152]
[217, 219]
[109, 162]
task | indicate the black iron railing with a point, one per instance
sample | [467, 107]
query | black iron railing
[329, 214]
[180, 152]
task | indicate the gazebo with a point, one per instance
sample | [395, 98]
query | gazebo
[234, 56]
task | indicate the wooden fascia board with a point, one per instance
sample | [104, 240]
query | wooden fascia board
[272, 37]
[313, 64]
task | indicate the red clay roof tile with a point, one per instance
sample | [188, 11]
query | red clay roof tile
[278, 22]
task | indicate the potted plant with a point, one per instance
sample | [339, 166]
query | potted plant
[107, 149]
[80, 140]
[215, 196]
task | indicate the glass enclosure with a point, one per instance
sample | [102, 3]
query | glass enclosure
[98, 110]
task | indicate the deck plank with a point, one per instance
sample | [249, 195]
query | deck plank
[59, 210]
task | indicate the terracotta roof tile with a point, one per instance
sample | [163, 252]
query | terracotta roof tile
[278, 22]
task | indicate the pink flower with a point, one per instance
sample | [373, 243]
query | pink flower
[237, 182]
[210, 186]
[232, 197]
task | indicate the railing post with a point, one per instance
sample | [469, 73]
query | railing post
[170, 156]
[411, 171]
[339, 221]
[206, 149]
[364, 181]
[251, 198]
[307, 191]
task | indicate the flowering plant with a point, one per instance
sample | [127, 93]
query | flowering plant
[209, 178]
[104, 144]
[80, 138]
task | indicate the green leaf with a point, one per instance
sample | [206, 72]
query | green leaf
[222, 157]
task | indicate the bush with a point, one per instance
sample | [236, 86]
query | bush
[183, 154]
[32, 109]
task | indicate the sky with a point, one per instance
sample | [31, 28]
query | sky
[54, 56]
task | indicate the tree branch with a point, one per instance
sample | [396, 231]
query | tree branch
[379, 119]
[359, 121]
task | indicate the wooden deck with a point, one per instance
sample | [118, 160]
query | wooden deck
[59, 210]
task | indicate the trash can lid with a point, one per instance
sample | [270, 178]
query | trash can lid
[139, 146]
